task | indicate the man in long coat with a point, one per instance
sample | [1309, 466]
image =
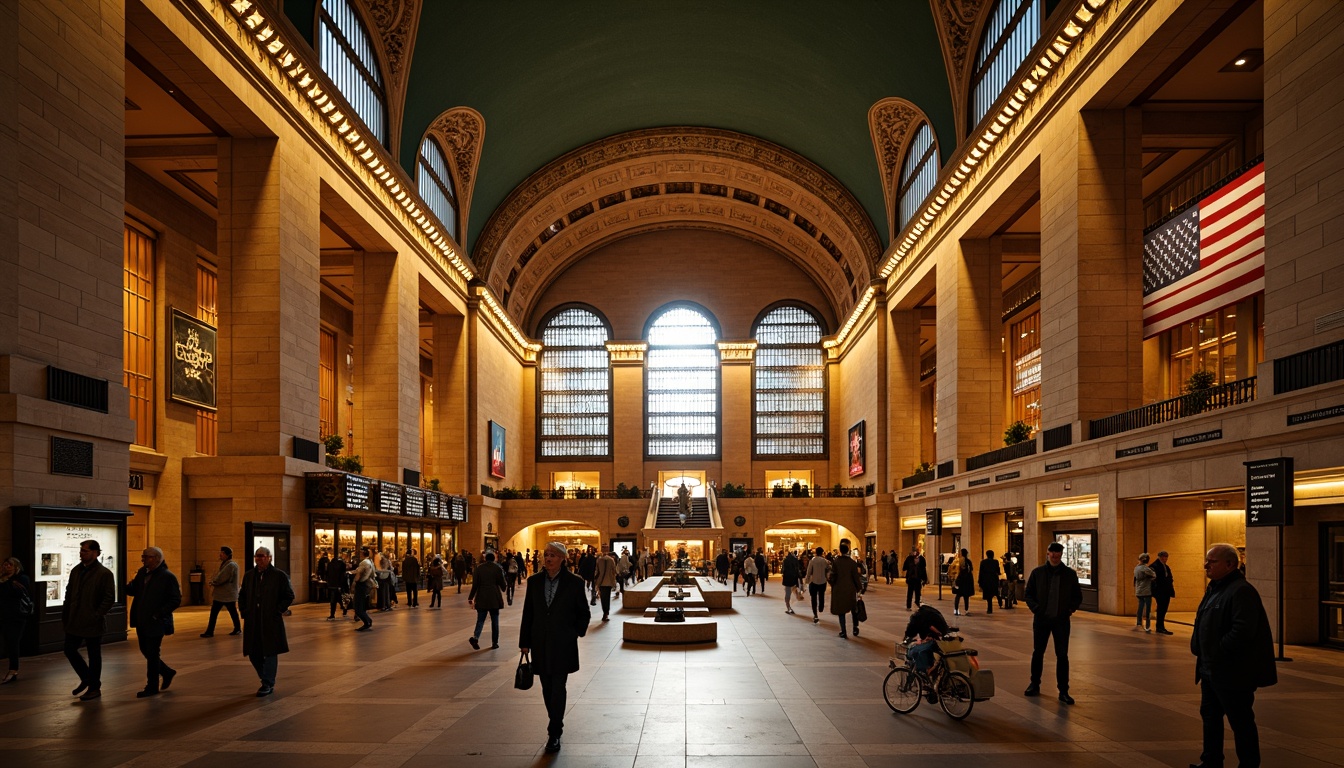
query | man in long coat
[845, 586]
[555, 616]
[265, 598]
[487, 597]
[157, 594]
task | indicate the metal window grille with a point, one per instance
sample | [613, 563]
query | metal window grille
[348, 59]
[436, 185]
[682, 394]
[790, 388]
[1010, 34]
[919, 173]
[326, 384]
[138, 315]
[575, 386]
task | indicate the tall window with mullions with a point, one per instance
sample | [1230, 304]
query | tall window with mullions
[790, 388]
[1010, 33]
[682, 386]
[575, 386]
[436, 185]
[347, 56]
[919, 172]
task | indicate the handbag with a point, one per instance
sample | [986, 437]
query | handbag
[522, 677]
[860, 612]
[26, 607]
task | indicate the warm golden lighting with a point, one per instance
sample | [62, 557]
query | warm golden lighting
[1077, 508]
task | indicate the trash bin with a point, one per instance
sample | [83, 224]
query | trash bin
[197, 580]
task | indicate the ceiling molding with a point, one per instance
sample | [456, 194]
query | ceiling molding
[892, 123]
[959, 23]
[395, 23]
[687, 177]
[461, 132]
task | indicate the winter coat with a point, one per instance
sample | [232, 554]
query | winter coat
[1143, 580]
[818, 571]
[488, 586]
[915, 570]
[224, 584]
[262, 601]
[1044, 579]
[606, 572]
[789, 571]
[1232, 642]
[552, 631]
[157, 594]
[10, 594]
[1164, 582]
[845, 585]
[88, 597]
[965, 581]
[410, 570]
[989, 576]
[335, 575]
[436, 574]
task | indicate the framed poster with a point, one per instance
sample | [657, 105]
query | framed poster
[1078, 553]
[57, 547]
[856, 448]
[497, 468]
[191, 362]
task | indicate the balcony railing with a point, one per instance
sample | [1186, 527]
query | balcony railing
[1191, 404]
[919, 478]
[1017, 451]
[1321, 365]
[804, 492]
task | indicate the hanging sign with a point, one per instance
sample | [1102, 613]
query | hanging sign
[1269, 492]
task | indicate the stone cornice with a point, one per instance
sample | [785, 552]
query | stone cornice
[394, 23]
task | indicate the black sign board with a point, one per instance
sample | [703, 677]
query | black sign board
[978, 481]
[191, 362]
[933, 522]
[1269, 492]
[947, 488]
[1007, 476]
[1198, 437]
[906, 497]
[1058, 465]
[1316, 415]
[1135, 450]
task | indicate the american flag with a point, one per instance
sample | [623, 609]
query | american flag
[1207, 257]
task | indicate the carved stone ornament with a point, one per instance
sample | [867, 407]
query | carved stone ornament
[891, 123]
[739, 521]
[396, 21]
[461, 132]
[958, 23]
[623, 521]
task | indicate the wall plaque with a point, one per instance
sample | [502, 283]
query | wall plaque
[191, 362]
[1135, 450]
[1198, 437]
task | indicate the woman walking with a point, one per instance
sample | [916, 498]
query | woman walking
[14, 612]
[963, 582]
[436, 574]
[1143, 589]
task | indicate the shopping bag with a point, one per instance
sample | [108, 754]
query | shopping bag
[522, 677]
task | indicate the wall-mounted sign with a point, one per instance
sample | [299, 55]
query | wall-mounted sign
[1135, 450]
[933, 522]
[1198, 437]
[191, 362]
[1269, 492]
[1058, 465]
[497, 450]
[978, 481]
[1316, 415]
[856, 449]
[1007, 476]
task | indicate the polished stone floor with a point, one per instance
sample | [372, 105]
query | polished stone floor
[775, 692]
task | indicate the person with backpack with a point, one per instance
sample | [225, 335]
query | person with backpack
[16, 605]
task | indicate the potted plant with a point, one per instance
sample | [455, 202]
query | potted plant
[1197, 390]
[1017, 432]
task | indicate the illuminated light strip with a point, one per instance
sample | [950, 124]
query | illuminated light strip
[638, 346]
[853, 320]
[1055, 51]
[250, 16]
[737, 345]
[522, 341]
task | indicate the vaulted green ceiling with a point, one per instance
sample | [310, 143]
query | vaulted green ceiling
[549, 77]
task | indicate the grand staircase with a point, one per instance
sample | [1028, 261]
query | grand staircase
[667, 513]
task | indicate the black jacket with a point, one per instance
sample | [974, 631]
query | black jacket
[88, 597]
[1040, 583]
[989, 576]
[1164, 585]
[335, 575]
[263, 601]
[915, 570]
[10, 592]
[1232, 642]
[552, 631]
[790, 570]
[157, 594]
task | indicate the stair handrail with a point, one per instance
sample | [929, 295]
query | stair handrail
[714, 520]
[651, 518]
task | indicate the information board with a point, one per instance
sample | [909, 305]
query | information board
[1269, 492]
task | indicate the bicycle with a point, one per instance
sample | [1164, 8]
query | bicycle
[954, 689]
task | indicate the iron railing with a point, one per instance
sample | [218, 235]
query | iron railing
[919, 478]
[990, 458]
[1320, 365]
[1189, 404]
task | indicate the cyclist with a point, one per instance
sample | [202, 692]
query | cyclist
[927, 625]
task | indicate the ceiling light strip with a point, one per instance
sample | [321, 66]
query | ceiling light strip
[363, 155]
[1083, 16]
[853, 320]
[525, 344]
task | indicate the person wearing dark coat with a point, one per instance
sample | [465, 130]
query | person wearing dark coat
[1164, 588]
[459, 566]
[488, 586]
[762, 571]
[721, 566]
[1052, 594]
[989, 579]
[916, 574]
[265, 598]
[964, 586]
[14, 585]
[410, 573]
[845, 586]
[555, 616]
[1234, 655]
[436, 574]
[335, 576]
[587, 567]
[157, 594]
[88, 597]
[790, 576]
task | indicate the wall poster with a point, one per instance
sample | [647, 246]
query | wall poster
[191, 361]
[497, 468]
[1078, 553]
[856, 449]
[57, 548]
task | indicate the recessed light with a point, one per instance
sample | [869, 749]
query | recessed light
[1248, 60]
[1239, 63]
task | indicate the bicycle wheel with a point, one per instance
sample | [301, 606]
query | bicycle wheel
[901, 689]
[955, 695]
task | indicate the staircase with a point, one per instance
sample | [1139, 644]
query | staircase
[667, 513]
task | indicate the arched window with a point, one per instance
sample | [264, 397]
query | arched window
[575, 385]
[1013, 28]
[790, 389]
[436, 186]
[919, 173]
[682, 385]
[348, 59]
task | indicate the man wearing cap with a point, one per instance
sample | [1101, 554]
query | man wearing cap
[555, 616]
[1052, 595]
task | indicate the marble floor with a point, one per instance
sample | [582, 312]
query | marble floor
[775, 692]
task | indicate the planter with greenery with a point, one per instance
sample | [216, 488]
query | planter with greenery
[1017, 432]
[334, 445]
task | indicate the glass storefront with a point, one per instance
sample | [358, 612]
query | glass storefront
[332, 536]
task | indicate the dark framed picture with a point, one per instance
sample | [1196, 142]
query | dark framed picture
[191, 361]
[497, 453]
[856, 449]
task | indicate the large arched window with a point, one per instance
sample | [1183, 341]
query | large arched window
[348, 59]
[919, 174]
[1011, 32]
[575, 385]
[790, 388]
[682, 385]
[436, 186]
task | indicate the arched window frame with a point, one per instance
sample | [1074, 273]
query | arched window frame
[820, 389]
[1011, 30]
[435, 184]
[349, 58]
[651, 367]
[549, 352]
[919, 174]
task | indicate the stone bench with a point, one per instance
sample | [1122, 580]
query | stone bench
[687, 611]
[714, 594]
[691, 631]
[663, 599]
[639, 595]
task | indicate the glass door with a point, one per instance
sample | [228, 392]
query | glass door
[1332, 584]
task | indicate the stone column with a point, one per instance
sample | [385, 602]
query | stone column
[450, 403]
[1091, 267]
[903, 422]
[627, 412]
[387, 363]
[735, 446]
[970, 356]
